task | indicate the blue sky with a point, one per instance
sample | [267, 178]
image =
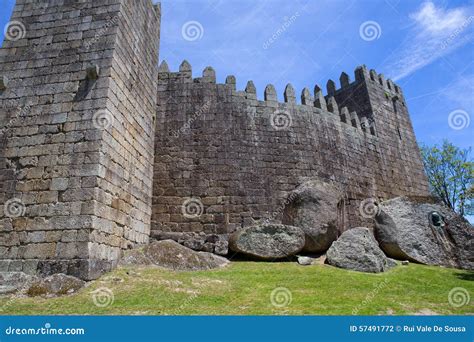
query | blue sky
[427, 47]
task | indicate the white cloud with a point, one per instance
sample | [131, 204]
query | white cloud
[437, 20]
[436, 32]
[461, 93]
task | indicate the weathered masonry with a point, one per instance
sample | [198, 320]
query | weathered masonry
[241, 156]
[76, 150]
[101, 149]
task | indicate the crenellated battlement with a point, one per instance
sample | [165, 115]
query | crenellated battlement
[333, 102]
[361, 74]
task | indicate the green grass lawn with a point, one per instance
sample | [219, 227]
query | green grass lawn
[245, 288]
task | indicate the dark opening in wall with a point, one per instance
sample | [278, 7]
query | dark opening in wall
[436, 219]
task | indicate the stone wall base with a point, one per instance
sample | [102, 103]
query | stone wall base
[87, 269]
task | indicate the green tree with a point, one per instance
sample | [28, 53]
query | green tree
[450, 172]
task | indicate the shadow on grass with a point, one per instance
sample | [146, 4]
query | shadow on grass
[465, 276]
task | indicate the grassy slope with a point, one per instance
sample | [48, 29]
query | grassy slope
[245, 288]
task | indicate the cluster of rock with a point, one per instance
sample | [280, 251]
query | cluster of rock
[355, 249]
[310, 225]
[405, 230]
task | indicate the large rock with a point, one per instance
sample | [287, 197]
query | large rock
[213, 243]
[357, 249]
[426, 233]
[268, 241]
[56, 285]
[135, 256]
[170, 254]
[11, 282]
[313, 207]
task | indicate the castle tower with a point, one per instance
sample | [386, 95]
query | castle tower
[78, 87]
[381, 110]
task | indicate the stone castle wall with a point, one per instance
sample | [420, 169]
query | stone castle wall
[99, 150]
[240, 156]
[77, 135]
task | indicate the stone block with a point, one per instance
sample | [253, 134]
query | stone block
[39, 251]
[59, 184]
[3, 83]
